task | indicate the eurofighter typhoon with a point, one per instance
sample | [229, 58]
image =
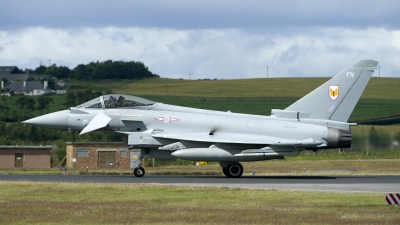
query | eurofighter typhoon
[316, 121]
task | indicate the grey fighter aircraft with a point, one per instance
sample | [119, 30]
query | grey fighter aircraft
[316, 121]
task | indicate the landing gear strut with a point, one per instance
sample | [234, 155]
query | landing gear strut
[138, 158]
[232, 169]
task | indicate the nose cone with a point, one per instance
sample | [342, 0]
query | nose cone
[57, 120]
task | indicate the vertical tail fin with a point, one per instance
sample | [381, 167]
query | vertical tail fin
[336, 99]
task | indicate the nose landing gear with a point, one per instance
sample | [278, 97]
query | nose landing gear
[139, 171]
[137, 162]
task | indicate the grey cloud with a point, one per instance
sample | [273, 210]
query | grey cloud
[222, 54]
[290, 54]
[196, 14]
[258, 41]
[293, 72]
[337, 48]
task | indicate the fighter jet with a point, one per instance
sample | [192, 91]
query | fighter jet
[316, 121]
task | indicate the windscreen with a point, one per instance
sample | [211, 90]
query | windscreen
[94, 103]
[121, 101]
[116, 101]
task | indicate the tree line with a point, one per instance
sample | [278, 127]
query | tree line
[20, 107]
[97, 70]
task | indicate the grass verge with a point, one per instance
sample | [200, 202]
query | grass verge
[69, 203]
[291, 166]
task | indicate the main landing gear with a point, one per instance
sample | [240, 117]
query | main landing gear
[232, 169]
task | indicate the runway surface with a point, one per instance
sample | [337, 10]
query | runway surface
[383, 184]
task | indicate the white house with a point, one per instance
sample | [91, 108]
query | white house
[29, 87]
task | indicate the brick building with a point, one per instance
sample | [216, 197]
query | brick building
[105, 155]
[25, 156]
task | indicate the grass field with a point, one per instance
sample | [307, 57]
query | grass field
[377, 88]
[361, 129]
[106, 86]
[69, 203]
[302, 165]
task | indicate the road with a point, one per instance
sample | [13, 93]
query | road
[383, 184]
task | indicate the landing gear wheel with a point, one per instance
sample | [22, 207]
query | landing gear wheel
[234, 170]
[225, 171]
[139, 171]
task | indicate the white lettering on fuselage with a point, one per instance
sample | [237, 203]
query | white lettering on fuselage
[289, 127]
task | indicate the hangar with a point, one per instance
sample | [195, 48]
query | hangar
[25, 156]
[105, 155]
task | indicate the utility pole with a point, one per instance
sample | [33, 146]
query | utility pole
[190, 76]
[5, 104]
[379, 69]
[49, 62]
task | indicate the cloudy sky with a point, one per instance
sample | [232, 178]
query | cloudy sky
[208, 39]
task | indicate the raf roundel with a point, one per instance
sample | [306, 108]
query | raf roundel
[166, 119]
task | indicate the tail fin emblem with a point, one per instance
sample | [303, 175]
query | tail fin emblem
[333, 92]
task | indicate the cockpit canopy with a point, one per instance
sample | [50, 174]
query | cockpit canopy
[116, 101]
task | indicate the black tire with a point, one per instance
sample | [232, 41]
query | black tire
[139, 172]
[225, 171]
[234, 170]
